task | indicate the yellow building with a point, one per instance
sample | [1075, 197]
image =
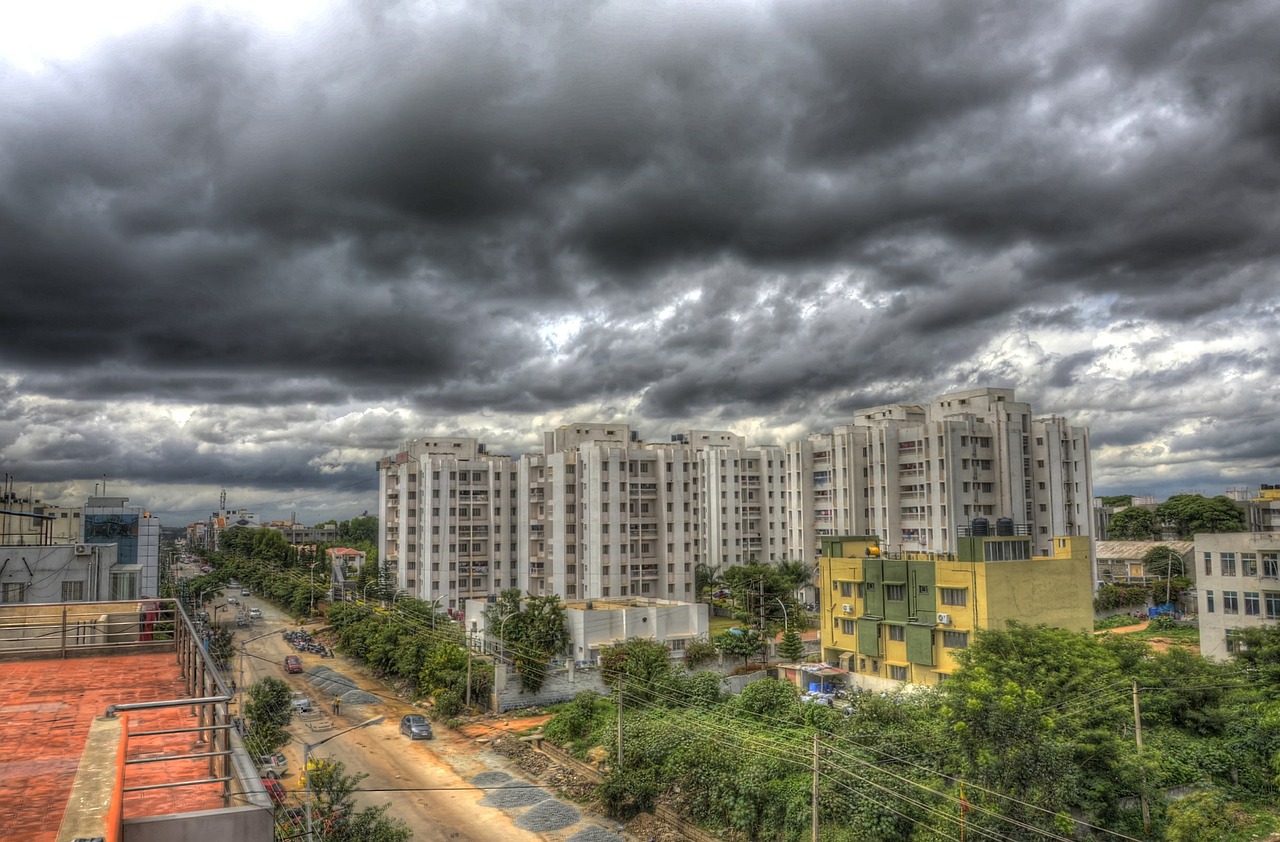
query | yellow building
[890, 620]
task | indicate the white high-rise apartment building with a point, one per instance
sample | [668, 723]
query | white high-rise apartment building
[919, 477]
[609, 515]
[601, 513]
[448, 516]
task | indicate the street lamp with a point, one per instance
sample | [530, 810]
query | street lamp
[311, 612]
[434, 608]
[786, 626]
[502, 640]
[216, 609]
[306, 760]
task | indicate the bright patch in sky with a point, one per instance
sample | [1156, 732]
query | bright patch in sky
[35, 35]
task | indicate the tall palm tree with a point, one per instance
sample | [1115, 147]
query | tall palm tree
[706, 577]
[799, 575]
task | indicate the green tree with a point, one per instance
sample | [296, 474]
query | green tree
[335, 817]
[1133, 524]
[741, 642]
[1117, 500]
[267, 709]
[706, 578]
[269, 547]
[1014, 708]
[638, 664]
[762, 594]
[359, 530]
[792, 647]
[1190, 514]
[697, 653]
[533, 630]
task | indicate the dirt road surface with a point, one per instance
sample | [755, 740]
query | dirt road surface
[426, 782]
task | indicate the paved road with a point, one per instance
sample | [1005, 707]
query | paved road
[425, 782]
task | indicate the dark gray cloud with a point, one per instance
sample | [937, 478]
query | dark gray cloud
[261, 257]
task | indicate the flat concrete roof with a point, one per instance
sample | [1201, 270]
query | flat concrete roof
[46, 707]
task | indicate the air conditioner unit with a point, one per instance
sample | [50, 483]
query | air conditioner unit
[847, 608]
[944, 619]
[83, 549]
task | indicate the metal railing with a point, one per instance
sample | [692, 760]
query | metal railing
[122, 628]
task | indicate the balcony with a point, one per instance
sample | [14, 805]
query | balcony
[644, 489]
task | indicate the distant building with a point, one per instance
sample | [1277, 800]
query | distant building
[600, 513]
[1121, 562]
[112, 520]
[917, 476]
[65, 573]
[448, 513]
[295, 534]
[897, 618]
[1263, 510]
[600, 623]
[1238, 585]
[344, 564]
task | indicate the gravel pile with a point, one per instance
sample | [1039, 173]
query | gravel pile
[594, 834]
[547, 816]
[484, 780]
[330, 682]
[517, 794]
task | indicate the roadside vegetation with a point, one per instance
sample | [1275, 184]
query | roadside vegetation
[1032, 738]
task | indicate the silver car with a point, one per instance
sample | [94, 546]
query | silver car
[415, 726]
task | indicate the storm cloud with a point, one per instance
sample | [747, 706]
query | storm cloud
[258, 255]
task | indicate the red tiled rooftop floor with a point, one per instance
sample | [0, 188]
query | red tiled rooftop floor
[46, 707]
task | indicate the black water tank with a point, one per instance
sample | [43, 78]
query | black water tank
[979, 527]
[1004, 526]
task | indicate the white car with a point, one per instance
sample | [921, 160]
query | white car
[255, 613]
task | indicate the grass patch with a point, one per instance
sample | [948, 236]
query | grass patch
[720, 625]
[1181, 634]
[1116, 622]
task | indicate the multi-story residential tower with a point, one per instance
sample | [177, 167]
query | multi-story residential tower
[602, 513]
[917, 478]
[448, 515]
[609, 515]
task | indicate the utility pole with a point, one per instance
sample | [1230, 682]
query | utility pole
[619, 722]
[1137, 734]
[815, 786]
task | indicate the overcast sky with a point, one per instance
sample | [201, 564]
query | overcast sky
[255, 246]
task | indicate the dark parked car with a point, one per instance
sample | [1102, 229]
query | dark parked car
[292, 663]
[416, 727]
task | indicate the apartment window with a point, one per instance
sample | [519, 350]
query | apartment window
[1208, 564]
[1228, 562]
[895, 593]
[898, 633]
[72, 591]
[847, 626]
[1272, 603]
[846, 589]
[897, 673]
[955, 639]
[1208, 599]
[124, 585]
[1252, 605]
[1248, 564]
[14, 592]
[953, 596]
[1271, 565]
[1230, 602]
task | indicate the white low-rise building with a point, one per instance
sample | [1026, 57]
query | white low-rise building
[595, 624]
[65, 573]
